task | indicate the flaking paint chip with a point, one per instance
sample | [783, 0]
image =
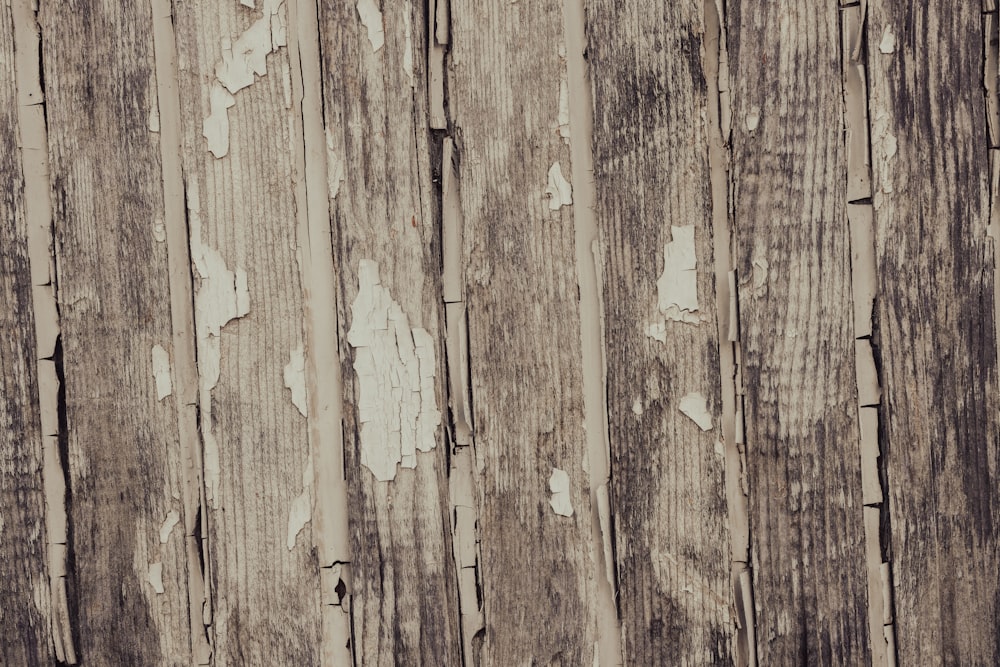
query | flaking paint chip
[677, 287]
[695, 406]
[295, 379]
[161, 372]
[559, 486]
[155, 577]
[888, 43]
[559, 191]
[168, 524]
[753, 118]
[371, 19]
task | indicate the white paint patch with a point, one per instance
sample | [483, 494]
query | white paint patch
[247, 3]
[559, 486]
[153, 121]
[215, 128]
[564, 108]
[395, 373]
[295, 379]
[695, 406]
[559, 191]
[753, 118]
[408, 48]
[161, 372]
[371, 19]
[888, 43]
[168, 524]
[637, 404]
[155, 577]
[301, 510]
[677, 287]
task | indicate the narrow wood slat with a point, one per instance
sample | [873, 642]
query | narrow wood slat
[524, 332]
[653, 190]
[935, 331]
[123, 454]
[795, 303]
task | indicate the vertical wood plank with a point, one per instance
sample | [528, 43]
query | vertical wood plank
[385, 213]
[795, 303]
[654, 209]
[24, 589]
[238, 145]
[127, 553]
[935, 331]
[524, 333]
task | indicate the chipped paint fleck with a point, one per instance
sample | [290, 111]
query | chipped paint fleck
[677, 287]
[695, 406]
[888, 43]
[215, 128]
[637, 404]
[395, 370]
[167, 527]
[153, 120]
[155, 577]
[295, 379]
[371, 19]
[753, 118]
[161, 372]
[559, 191]
[247, 3]
[301, 510]
[408, 48]
[564, 108]
[559, 486]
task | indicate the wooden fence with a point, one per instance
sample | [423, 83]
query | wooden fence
[499, 332]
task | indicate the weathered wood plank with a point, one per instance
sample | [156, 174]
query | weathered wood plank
[386, 217]
[238, 146]
[935, 331]
[24, 588]
[797, 339]
[129, 576]
[524, 333]
[654, 208]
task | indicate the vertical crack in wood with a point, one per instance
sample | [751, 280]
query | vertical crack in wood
[31, 118]
[727, 300]
[576, 127]
[182, 315]
[860, 214]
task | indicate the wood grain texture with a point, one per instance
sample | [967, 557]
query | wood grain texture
[385, 210]
[123, 454]
[242, 209]
[651, 173]
[936, 333]
[524, 333]
[795, 302]
[24, 588]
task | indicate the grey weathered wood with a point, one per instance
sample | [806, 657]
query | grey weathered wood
[652, 173]
[524, 333]
[265, 585]
[24, 588]
[795, 302]
[123, 453]
[384, 210]
[935, 329]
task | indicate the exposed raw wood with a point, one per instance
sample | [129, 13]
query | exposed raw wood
[124, 461]
[664, 403]
[385, 214]
[239, 138]
[797, 339]
[935, 333]
[524, 331]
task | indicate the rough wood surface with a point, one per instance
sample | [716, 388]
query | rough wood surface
[795, 302]
[935, 329]
[234, 65]
[668, 488]
[524, 332]
[385, 211]
[123, 455]
[24, 588]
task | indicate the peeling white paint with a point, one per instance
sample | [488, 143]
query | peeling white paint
[395, 373]
[559, 486]
[888, 43]
[637, 404]
[295, 379]
[753, 118]
[695, 406]
[301, 510]
[153, 121]
[371, 19]
[408, 48]
[564, 108]
[155, 577]
[215, 128]
[161, 372]
[657, 331]
[677, 287]
[559, 191]
[167, 527]
[247, 3]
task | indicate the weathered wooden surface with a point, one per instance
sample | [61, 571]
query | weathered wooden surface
[524, 337]
[935, 329]
[24, 587]
[387, 228]
[124, 463]
[654, 209]
[797, 338]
